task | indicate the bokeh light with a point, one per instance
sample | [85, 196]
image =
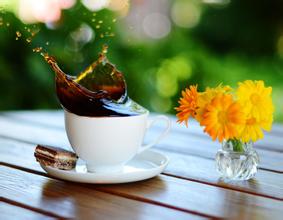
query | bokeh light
[81, 36]
[147, 20]
[66, 4]
[160, 104]
[217, 2]
[186, 13]
[95, 5]
[156, 25]
[119, 6]
[46, 11]
[170, 73]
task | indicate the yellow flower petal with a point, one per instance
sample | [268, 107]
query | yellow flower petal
[258, 108]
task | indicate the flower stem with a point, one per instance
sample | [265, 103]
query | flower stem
[237, 145]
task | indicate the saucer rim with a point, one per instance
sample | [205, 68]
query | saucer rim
[94, 178]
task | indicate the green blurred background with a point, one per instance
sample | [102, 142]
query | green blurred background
[161, 46]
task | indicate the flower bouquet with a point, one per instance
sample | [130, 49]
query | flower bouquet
[236, 118]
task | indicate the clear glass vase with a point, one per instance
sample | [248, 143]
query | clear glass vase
[237, 160]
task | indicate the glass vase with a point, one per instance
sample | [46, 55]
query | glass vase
[237, 160]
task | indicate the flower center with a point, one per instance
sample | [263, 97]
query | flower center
[251, 121]
[222, 117]
[255, 98]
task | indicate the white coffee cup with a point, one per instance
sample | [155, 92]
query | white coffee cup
[107, 143]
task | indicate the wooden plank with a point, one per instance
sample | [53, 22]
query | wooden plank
[269, 160]
[271, 143]
[267, 184]
[29, 133]
[33, 133]
[186, 195]
[9, 211]
[48, 117]
[277, 129]
[77, 200]
[54, 119]
[84, 199]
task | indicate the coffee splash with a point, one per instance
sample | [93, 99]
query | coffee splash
[100, 90]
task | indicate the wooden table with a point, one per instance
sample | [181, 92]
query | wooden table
[189, 188]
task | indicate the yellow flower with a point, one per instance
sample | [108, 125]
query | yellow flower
[205, 98]
[221, 117]
[256, 99]
[188, 104]
[251, 130]
[258, 108]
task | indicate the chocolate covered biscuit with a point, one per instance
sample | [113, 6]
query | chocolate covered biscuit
[55, 157]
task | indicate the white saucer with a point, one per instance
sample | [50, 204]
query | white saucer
[143, 166]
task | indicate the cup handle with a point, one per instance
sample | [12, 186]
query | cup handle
[161, 136]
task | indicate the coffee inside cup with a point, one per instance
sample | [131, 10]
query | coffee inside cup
[100, 90]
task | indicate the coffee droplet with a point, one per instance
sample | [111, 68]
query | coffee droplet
[18, 35]
[104, 49]
[37, 49]
[28, 40]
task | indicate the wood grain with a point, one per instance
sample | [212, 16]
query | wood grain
[272, 141]
[39, 133]
[77, 200]
[183, 195]
[269, 143]
[57, 115]
[269, 160]
[11, 212]
[267, 184]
